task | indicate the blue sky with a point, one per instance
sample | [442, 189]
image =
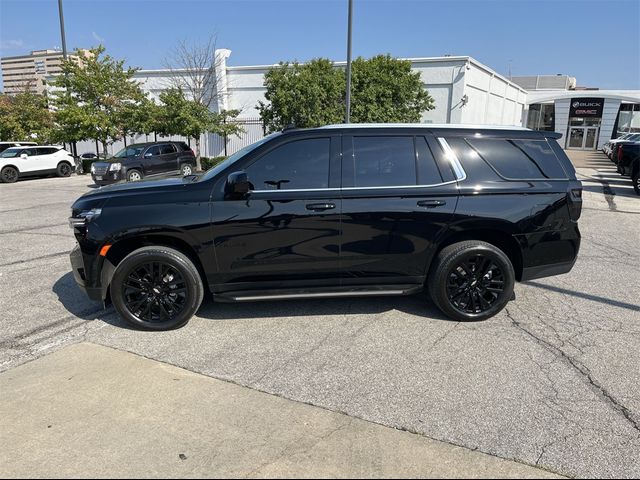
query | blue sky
[597, 41]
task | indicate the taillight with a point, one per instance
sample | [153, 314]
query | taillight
[619, 152]
[574, 196]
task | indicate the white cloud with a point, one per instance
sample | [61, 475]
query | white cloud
[11, 44]
[97, 37]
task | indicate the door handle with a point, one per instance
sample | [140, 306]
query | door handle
[319, 207]
[431, 203]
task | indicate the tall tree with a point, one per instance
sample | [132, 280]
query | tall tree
[194, 69]
[92, 97]
[306, 95]
[384, 89]
[179, 115]
[25, 116]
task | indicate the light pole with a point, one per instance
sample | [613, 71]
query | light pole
[347, 117]
[64, 40]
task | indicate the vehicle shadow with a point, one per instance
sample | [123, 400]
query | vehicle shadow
[77, 304]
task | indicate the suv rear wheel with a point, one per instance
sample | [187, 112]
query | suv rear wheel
[186, 169]
[64, 169]
[156, 288]
[635, 178]
[471, 280]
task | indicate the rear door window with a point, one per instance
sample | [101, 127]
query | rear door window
[384, 161]
[45, 150]
[153, 151]
[519, 159]
[428, 172]
[300, 164]
[167, 149]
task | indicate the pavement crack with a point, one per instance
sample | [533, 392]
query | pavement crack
[581, 370]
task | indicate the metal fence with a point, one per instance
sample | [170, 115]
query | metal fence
[253, 130]
[211, 144]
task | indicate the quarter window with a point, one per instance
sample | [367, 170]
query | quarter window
[299, 164]
[519, 159]
[384, 161]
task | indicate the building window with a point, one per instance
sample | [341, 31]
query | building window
[541, 117]
[628, 119]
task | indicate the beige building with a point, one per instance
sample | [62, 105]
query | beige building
[27, 72]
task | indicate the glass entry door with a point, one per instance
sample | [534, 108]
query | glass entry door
[583, 138]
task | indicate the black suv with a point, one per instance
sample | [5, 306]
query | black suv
[140, 160]
[336, 211]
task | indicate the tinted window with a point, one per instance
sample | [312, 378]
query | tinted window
[167, 149]
[29, 151]
[297, 164]
[519, 159]
[152, 151]
[129, 152]
[46, 151]
[428, 173]
[183, 147]
[384, 161]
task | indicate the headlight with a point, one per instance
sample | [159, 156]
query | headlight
[93, 168]
[115, 167]
[83, 217]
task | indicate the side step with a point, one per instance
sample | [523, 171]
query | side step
[324, 292]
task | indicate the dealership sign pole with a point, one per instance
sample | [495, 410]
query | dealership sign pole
[347, 117]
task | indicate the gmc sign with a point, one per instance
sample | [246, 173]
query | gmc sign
[586, 107]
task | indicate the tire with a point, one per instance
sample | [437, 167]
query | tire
[458, 293]
[635, 178]
[134, 175]
[186, 169]
[9, 175]
[143, 284]
[64, 169]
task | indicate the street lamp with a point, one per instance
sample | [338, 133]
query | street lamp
[347, 117]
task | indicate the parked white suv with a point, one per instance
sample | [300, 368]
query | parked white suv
[18, 162]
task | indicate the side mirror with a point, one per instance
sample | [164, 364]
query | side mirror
[23, 156]
[237, 186]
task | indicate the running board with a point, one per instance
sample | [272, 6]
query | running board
[256, 296]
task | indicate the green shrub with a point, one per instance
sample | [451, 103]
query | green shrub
[208, 162]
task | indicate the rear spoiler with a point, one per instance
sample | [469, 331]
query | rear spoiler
[554, 135]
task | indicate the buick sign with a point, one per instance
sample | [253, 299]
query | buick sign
[586, 107]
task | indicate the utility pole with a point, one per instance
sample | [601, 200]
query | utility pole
[348, 115]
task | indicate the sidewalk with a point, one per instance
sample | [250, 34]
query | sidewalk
[90, 411]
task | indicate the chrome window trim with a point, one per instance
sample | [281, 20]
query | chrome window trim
[352, 188]
[453, 159]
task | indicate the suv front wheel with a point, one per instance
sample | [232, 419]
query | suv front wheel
[471, 280]
[156, 288]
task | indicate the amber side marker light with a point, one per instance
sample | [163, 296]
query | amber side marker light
[104, 250]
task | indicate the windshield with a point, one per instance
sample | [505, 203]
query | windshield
[10, 153]
[129, 152]
[213, 171]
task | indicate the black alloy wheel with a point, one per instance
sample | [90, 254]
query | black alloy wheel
[471, 280]
[9, 175]
[636, 182]
[64, 169]
[154, 292]
[156, 288]
[475, 284]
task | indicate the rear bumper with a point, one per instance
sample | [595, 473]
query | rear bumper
[531, 273]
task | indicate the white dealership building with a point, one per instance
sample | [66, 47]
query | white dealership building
[464, 91]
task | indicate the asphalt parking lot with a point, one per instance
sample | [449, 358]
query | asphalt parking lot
[552, 381]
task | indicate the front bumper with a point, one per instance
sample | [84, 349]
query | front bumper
[108, 178]
[81, 275]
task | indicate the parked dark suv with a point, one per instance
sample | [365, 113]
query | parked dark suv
[336, 211]
[140, 160]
